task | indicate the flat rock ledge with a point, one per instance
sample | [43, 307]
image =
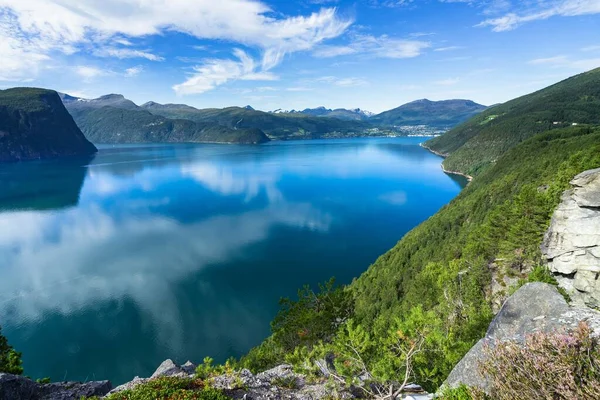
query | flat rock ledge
[15, 387]
[535, 307]
[571, 245]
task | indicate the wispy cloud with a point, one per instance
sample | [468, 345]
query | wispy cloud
[133, 71]
[541, 10]
[31, 31]
[448, 48]
[88, 72]
[563, 61]
[122, 53]
[216, 72]
[382, 46]
[342, 82]
[447, 82]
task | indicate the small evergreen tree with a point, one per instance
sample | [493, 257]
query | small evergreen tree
[10, 360]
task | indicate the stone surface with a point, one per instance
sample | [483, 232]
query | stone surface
[169, 368]
[279, 383]
[536, 307]
[572, 243]
[130, 385]
[13, 387]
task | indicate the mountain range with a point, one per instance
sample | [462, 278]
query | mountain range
[355, 114]
[114, 119]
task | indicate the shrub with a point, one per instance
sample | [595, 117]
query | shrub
[547, 366]
[170, 388]
[286, 382]
[462, 392]
[10, 360]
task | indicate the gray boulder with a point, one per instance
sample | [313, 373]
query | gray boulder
[571, 245]
[169, 368]
[14, 387]
[536, 307]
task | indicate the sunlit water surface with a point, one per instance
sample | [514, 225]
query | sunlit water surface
[109, 266]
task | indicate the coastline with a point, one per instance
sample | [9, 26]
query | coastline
[437, 153]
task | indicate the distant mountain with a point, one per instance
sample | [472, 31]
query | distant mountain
[114, 119]
[34, 124]
[479, 142]
[446, 113]
[275, 125]
[355, 114]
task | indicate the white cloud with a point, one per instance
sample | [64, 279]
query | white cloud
[31, 30]
[542, 10]
[299, 89]
[591, 48]
[382, 46]
[127, 53]
[133, 71]
[563, 61]
[216, 72]
[447, 82]
[89, 72]
[448, 48]
[343, 82]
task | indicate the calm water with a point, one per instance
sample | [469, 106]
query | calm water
[109, 266]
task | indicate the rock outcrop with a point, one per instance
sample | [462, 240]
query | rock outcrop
[536, 307]
[14, 387]
[572, 243]
[35, 124]
[278, 383]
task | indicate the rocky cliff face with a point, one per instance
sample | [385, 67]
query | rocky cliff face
[572, 243]
[13, 387]
[34, 124]
[536, 307]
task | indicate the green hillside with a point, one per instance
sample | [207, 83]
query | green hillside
[478, 142]
[276, 126]
[443, 281]
[118, 125]
[115, 119]
[446, 113]
[34, 124]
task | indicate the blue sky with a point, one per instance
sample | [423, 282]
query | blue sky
[372, 54]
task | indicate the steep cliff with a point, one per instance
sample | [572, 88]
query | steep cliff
[34, 124]
[572, 243]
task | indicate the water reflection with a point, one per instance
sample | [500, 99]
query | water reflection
[183, 251]
[21, 194]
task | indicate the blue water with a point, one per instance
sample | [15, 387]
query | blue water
[109, 266]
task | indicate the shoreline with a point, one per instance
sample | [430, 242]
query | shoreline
[437, 153]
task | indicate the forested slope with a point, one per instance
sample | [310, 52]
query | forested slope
[478, 142]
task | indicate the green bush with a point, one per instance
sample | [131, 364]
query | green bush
[461, 392]
[10, 360]
[313, 318]
[170, 388]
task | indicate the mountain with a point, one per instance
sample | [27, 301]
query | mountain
[476, 144]
[275, 125]
[439, 287]
[355, 114]
[114, 119]
[34, 124]
[443, 114]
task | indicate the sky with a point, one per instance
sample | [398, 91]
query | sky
[296, 54]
